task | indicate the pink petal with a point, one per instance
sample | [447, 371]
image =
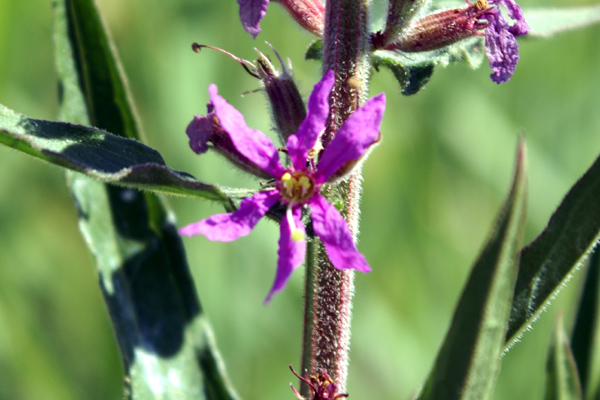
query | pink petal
[230, 226]
[353, 138]
[290, 254]
[331, 227]
[253, 144]
[251, 12]
[313, 125]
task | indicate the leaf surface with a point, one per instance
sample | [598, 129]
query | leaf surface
[549, 261]
[166, 341]
[469, 360]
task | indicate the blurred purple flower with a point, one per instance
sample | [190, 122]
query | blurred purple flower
[297, 186]
[251, 12]
[310, 14]
[501, 46]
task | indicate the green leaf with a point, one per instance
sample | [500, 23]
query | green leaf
[166, 341]
[469, 360]
[100, 155]
[549, 261]
[314, 51]
[586, 332]
[562, 381]
[413, 70]
[546, 22]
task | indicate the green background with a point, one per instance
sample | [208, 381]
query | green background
[431, 192]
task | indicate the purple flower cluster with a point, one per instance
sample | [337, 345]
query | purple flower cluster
[298, 186]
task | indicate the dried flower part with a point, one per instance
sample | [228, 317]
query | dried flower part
[321, 386]
[280, 87]
[284, 96]
[297, 187]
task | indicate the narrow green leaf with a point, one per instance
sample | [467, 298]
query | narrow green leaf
[548, 261]
[546, 22]
[101, 77]
[562, 380]
[586, 332]
[166, 342]
[469, 360]
[100, 155]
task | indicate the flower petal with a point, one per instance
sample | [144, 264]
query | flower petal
[199, 131]
[230, 226]
[253, 144]
[331, 227]
[251, 12]
[301, 142]
[501, 47]
[353, 138]
[290, 254]
[520, 27]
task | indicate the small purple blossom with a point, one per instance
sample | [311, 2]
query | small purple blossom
[251, 13]
[298, 186]
[501, 46]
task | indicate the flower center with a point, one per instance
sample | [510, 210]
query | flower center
[296, 186]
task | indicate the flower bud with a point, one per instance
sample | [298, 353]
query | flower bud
[441, 29]
[310, 14]
[287, 105]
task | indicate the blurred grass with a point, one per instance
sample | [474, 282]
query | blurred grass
[431, 192]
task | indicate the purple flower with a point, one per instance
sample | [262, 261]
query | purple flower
[446, 27]
[501, 46]
[310, 14]
[251, 12]
[297, 186]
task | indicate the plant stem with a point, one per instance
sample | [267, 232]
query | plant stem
[328, 290]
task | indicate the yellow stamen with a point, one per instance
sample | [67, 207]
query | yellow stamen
[481, 4]
[304, 182]
[297, 235]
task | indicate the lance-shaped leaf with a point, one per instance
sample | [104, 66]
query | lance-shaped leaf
[469, 360]
[166, 342]
[548, 261]
[586, 332]
[100, 155]
[562, 380]
[546, 22]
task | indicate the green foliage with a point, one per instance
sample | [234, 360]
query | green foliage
[430, 191]
[546, 22]
[469, 360]
[100, 155]
[586, 332]
[562, 379]
[549, 260]
[165, 340]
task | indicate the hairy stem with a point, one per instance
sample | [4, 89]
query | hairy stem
[329, 291]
